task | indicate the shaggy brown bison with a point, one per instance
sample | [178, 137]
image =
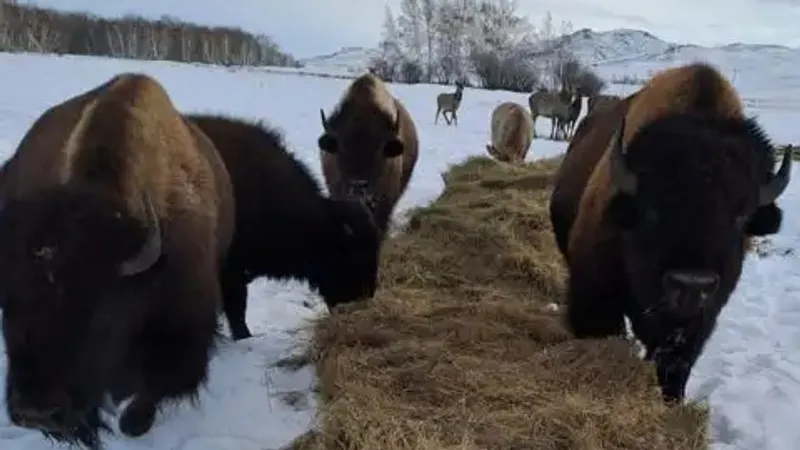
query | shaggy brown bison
[369, 147]
[116, 216]
[285, 226]
[665, 215]
[512, 132]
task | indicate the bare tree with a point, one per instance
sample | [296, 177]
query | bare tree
[25, 28]
[429, 26]
[386, 63]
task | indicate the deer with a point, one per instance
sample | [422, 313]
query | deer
[449, 102]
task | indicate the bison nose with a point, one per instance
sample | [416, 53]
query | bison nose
[357, 188]
[702, 282]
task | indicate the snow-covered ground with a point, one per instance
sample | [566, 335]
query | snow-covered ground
[750, 373]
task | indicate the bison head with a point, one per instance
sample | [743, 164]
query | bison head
[688, 191]
[348, 254]
[68, 264]
[362, 145]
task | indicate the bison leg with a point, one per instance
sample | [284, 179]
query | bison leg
[234, 292]
[176, 345]
[560, 226]
[594, 311]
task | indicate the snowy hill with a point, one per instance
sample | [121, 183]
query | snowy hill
[349, 60]
[616, 45]
[598, 48]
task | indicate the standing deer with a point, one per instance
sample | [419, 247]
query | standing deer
[567, 124]
[449, 102]
[552, 105]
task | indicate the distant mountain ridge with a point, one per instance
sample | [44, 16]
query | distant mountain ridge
[591, 47]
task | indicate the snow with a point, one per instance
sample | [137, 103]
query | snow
[749, 373]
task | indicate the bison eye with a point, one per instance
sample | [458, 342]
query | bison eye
[328, 143]
[624, 211]
[651, 216]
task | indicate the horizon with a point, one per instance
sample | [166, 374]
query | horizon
[711, 24]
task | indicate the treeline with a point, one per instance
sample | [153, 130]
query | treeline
[483, 42]
[25, 28]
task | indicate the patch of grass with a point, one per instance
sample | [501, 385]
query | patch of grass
[462, 349]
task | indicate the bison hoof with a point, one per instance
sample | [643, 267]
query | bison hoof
[138, 418]
[241, 333]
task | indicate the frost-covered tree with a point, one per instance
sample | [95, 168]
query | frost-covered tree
[487, 42]
[386, 63]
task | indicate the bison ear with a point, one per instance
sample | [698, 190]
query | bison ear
[624, 211]
[393, 148]
[766, 220]
[328, 143]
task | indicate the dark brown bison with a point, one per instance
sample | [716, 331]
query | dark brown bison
[115, 218]
[285, 226]
[665, 216]
[369, 147]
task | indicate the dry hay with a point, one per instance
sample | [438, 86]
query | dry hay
[462, 349]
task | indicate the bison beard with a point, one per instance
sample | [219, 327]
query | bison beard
[688, 193]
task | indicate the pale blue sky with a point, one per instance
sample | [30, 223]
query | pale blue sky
[312, 27]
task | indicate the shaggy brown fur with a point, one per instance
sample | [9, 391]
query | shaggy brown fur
[116, 215]
[600, 102]
[512, 132]
[584, 151]
[369, 147]
[662, 223]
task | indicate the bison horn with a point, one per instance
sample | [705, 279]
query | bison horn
[621, 176]
[396, 125]
[324, 120]
[770, 191]
[150, 252]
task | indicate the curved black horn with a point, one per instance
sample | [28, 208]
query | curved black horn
[770, 191]
[150, 251]
[621, 176]
[324, 119]
[396, 124]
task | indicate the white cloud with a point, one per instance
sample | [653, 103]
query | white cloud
[311, 27]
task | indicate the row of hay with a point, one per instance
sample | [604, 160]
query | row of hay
[462, 348]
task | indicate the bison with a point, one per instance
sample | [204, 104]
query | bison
[369, 147]
[512, 132]
[115, 217]
[285, 226]
[667, 205]
[600, 102]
